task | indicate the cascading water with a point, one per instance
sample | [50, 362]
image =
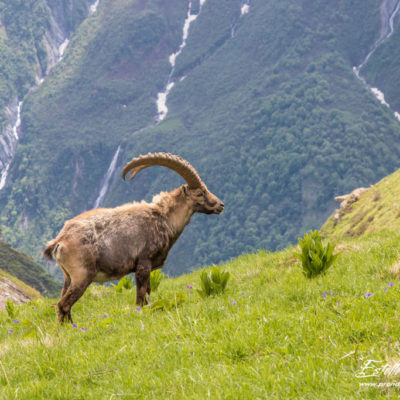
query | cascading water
[244, 9]
[56, 43]
[162, 108]
[389, 10]
[107, 178]
[9, 140]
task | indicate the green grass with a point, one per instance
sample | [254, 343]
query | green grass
[273, 334]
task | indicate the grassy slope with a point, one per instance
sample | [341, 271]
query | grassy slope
[23, 267]
[378, 209]
[271, 335]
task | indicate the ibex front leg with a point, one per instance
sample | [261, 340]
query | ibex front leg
[142, 277]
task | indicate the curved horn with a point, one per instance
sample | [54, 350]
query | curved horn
[176, 163]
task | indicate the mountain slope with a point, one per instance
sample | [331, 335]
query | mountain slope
[14, 290]
[378, 209]
[265, 105]
[25, 269]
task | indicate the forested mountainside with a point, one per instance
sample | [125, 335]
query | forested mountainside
[270, 101]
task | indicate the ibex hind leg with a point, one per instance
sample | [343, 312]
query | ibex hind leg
[79, 283]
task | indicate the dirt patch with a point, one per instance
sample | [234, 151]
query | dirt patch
[9, 290]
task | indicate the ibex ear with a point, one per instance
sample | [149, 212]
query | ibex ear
[185, 190]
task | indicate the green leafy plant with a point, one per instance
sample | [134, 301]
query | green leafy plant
[155, 279]
[124, 283]
[315, 257]
[213, 283]
[11, 309]
[168, 303]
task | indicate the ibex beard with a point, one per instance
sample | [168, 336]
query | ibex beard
[105, 244]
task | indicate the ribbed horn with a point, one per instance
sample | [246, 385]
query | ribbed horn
[176, 163]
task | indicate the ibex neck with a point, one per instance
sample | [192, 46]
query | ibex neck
[176, 209]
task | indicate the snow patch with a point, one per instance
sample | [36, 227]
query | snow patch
[62, 48]
[93, 7]
[380, 96]
[245, 9]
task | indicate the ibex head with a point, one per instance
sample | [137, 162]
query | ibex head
[195, 190]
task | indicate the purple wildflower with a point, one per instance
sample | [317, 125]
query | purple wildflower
[330, 292]
[105, 316]
[391, 284]
[324, 294]
[10, 331]
[107, 292]
[16, 321]
[385, 289]
[74, 325]
[138, 308]
[369, 294]
[234, 303]
[185, 314]
[338, 303]
[84, 329]
[189, 287]
[242, 293]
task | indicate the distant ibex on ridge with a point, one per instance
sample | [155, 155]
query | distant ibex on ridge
[105, 244]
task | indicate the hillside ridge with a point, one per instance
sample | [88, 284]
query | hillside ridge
[369, 210]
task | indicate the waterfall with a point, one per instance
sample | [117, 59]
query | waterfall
[106, 180]
[244, 9]
[389, 9]
[162, 109]
[9, 140]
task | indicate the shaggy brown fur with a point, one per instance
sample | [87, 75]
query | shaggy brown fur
[107, 243]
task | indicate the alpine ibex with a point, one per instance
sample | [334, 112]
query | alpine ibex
[105, 244]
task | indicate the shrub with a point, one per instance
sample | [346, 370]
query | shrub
[124, 283]
[213, 283]
[155, 279]
[315, 257]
